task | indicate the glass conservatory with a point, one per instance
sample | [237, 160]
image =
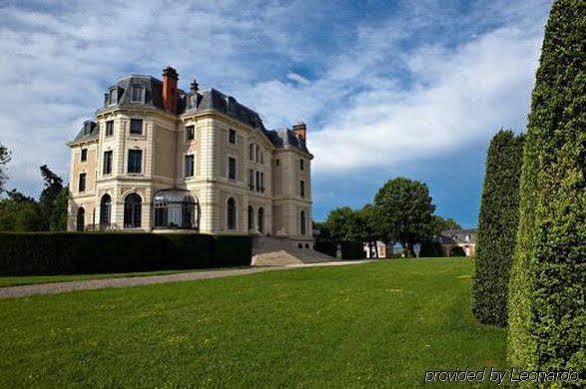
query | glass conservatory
[175, 209]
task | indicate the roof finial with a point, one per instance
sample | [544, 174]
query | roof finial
[194, 86]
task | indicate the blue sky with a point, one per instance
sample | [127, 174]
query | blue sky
[388, 89]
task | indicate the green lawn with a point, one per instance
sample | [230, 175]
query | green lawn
[381, 324]
[28, 280]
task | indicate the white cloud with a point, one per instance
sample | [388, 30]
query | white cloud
[416, 82]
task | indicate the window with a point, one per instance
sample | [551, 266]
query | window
[262, 182]
[250, 217]
[232, 168]
[110, 128]
[257, 149]
[80, 222]
[132, 210]
[301, 164]
[231, 214]
[277, 162]
[175, 209]
[251, 152]
[232, 136]
[113, 96]
[258, 181]
[136, 126]
[302, 188]
[137, 93]
[189, 132]
[262, 157]
[302, 223]
[134, 161]
[189, 165]
[82, 181]
[261, 220]
[105, 210]
[251, 179]
[107, 164]
[83, 155]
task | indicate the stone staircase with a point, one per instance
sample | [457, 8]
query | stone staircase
[269, 251]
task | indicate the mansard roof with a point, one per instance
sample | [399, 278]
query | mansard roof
[286, 138]
[89, 131]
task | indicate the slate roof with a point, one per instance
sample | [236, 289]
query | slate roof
[458, 236]
[88, 132]
[207, 100]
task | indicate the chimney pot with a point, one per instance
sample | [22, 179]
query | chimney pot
[300, 131]
[170, 78]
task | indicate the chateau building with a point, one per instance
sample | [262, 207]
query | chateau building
[157, 158]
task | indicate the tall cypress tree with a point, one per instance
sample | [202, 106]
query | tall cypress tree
[546, 302]
[497, 228]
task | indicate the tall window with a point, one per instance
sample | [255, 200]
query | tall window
[137, 93]
[80, 225]
[136, 126]
[302, 188]
[232, 168]
[302, 223]
[251, 179]
[189, 165]
[110, 128]
[262, 182]
[113, 96]
[83, 155]
[251, 152]
[134, 161]
[82, 182]
[250, 217]
[231, 214]
[261, 219]
[301, 164]
[232, 136]
[189, 132]
[258, 181]
[107, 165]
[132, 210]
[105, 210]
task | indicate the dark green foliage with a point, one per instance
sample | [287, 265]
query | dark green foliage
[350, 250]
[344, 223]
[20, 213]
[403, 213]
[440, 224]
[431, 249]
[546, 302]
[497, 228]
[88, 253]
[53, 201]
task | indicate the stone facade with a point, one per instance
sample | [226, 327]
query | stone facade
[145, 150]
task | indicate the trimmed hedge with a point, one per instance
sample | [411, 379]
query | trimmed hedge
[547, 314]
[90, 253]
[350, 250]
[497, 228]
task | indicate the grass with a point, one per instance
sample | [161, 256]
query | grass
[374, 324]
[29, 280]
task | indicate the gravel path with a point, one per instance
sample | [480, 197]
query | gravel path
[61, 287]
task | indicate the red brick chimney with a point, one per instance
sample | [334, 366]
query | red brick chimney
[170, 78]
[300, 130]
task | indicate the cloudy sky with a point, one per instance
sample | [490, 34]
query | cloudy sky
[405, 88]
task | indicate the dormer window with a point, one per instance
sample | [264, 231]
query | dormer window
[137, 94]
[191, 101]
[113, 96]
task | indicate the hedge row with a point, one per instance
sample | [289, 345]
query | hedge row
[90, 253]
[350, 250]
[546, 302]
[497, 228]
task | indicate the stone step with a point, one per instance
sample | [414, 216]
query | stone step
[268, 251]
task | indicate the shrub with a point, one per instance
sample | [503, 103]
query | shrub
[497, 228]
[87, 253]
[350, 250]
[546, 301]
[431, 249]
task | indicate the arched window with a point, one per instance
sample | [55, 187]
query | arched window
[231, 214]
[105, 210]
[80, 219]
[175, 209]
[261, 219]
[250, 217]
[302, 223]
[132, 211]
